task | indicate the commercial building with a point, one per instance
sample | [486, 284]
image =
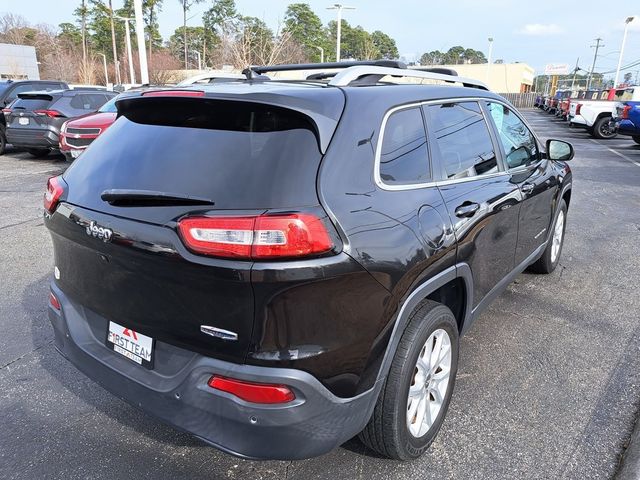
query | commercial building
[18, 62]
[501, 77]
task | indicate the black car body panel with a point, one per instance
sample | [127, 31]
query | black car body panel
[456, 237]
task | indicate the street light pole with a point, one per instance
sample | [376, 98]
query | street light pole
[199, 59]
[489, 59]
[321, 54]
[113, 43]
[142, 50]
[106, 73]
[132, 73]
[339, 7]
[624, 39]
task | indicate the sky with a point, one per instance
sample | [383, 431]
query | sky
[549, 32]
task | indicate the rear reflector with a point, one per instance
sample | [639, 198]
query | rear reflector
[261, 237]
[174, 93]
[53, 301]
[253, 392]
[55, 189]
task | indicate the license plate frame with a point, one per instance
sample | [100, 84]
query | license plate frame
[123, 341]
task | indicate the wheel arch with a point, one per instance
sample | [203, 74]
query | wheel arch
[454, 285]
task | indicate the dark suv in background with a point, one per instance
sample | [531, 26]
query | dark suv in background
[34, 120]
[276, 266]
[9, 90]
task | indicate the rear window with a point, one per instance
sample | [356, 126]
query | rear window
[31, 104]
[624, 95]
[238, 154]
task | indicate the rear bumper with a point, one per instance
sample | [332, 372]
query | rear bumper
[176, 392]
[627, 127]
[32, 138]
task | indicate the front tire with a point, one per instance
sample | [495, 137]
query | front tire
[415, 397]
[549, 260]
[603, 128]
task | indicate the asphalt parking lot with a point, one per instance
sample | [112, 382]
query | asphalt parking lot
[548, 383]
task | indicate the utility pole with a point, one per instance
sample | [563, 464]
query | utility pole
[339, 7]
[197, 52]
[113, 41]
[321, 53]
[106, 72]
[595, 57]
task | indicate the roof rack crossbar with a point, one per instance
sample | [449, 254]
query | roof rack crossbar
[322, 66]
[354, 75]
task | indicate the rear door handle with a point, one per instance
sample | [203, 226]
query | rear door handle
[527, 188]
[467, 209]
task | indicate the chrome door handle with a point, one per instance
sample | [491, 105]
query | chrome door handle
[467, 209]
[527, 188]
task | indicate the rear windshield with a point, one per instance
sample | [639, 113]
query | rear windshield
[238, 154]
[31, 104]
[109, 107]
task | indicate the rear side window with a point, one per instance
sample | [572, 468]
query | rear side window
[241, 155]
[87, 101]
[462, 140]
[404, 158]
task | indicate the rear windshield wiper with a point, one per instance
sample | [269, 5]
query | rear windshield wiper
[150, 198]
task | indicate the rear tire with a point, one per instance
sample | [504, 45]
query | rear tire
[549, 260]
[636, 138]
[38, 152]
[602, 128]
[405, 422]
[3, 141]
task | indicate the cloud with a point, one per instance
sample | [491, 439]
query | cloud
[538, 29]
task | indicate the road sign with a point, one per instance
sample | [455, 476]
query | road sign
[556, 69]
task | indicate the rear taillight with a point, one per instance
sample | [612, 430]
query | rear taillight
[55, 189]
[53, 301]
[6, 111]
[253, 392]
[578, 107]
[48, 113]
[625, 111]
[260, 237]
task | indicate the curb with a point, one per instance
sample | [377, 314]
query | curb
[630, 464]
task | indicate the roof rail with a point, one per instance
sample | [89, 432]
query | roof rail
[259, 70]
[370, 75]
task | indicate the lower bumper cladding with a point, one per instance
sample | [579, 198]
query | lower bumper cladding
[178, 392]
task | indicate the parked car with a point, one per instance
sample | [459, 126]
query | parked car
[212, 77]
[627, 116]
[35, 119]
[77, 134]
[77, 86]
[220, 265]
[9, 90]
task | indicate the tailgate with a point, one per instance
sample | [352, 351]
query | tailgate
[154, 286]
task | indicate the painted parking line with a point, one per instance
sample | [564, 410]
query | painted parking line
[621, 155]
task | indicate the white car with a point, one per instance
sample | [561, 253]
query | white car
[212, 76]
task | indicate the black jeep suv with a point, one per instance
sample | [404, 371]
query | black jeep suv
[277, 266]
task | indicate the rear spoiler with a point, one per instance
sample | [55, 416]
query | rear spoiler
[36, 95]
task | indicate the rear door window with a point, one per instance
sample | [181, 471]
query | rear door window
[404, 158]
[462, 140]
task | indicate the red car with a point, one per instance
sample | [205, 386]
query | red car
[76, 135]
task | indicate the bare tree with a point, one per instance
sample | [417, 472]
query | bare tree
[162, 66]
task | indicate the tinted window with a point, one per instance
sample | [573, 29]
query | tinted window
[239, 154]
[87, 101]
[463, 140]
[31, 104]
[110, 106]
[403, 155]
[518, 142]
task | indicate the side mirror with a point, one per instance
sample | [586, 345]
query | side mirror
[559, 150]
